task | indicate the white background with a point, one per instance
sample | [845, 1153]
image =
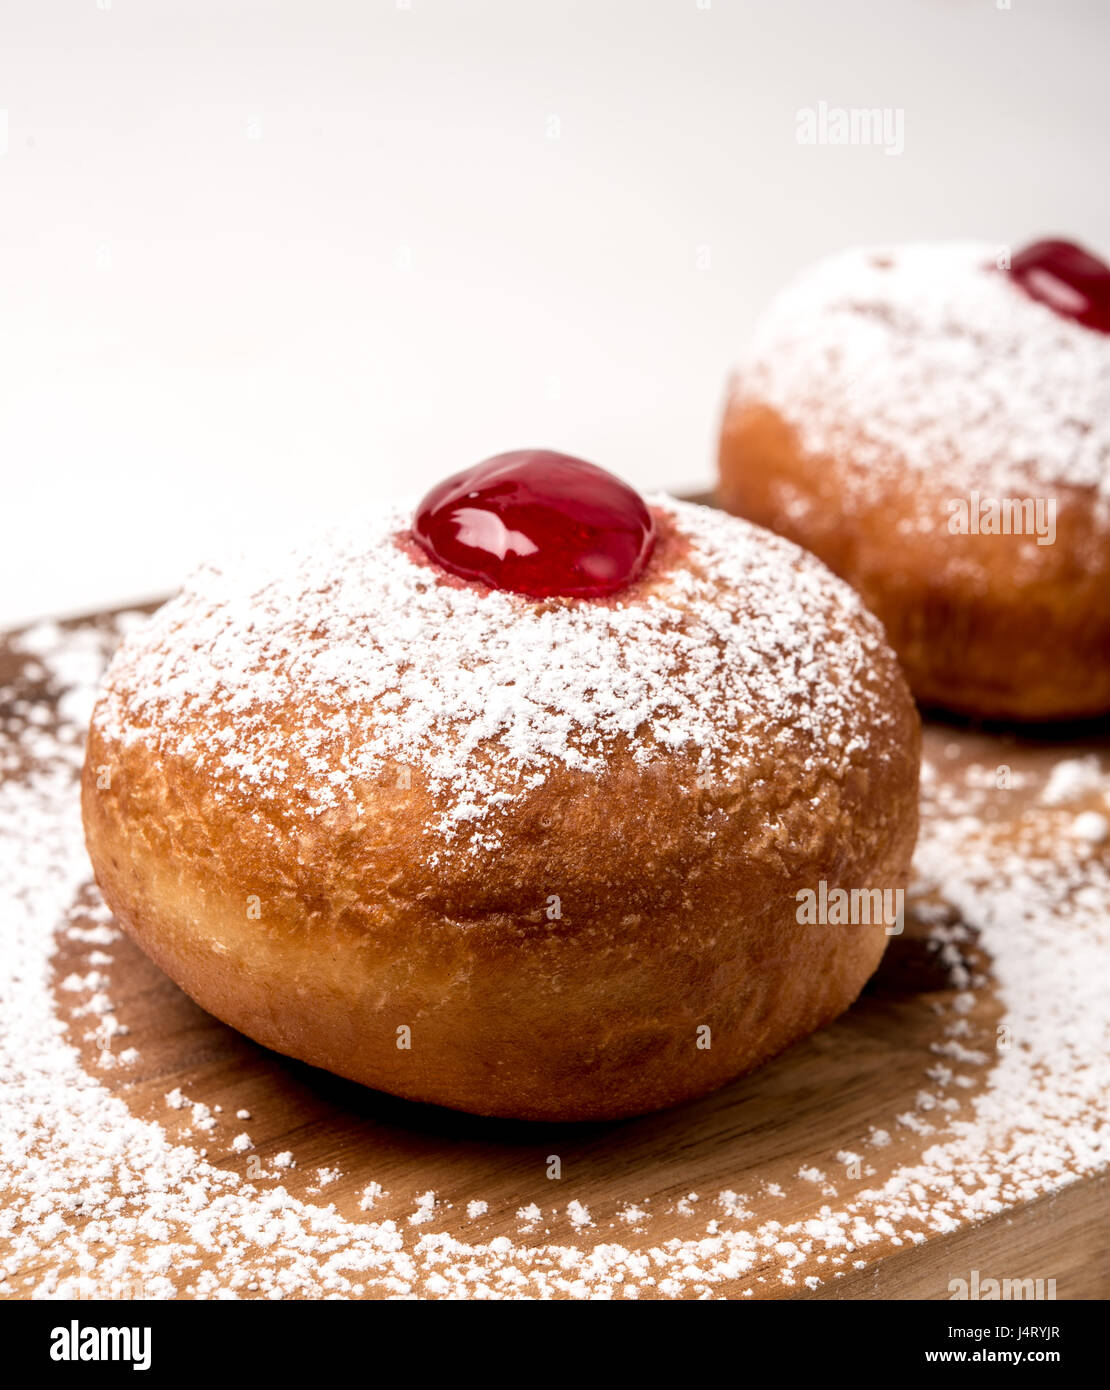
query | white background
[261, 264]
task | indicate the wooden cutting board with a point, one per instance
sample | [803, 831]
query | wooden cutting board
[756, 1137]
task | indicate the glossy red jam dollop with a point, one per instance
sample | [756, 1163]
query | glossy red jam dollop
[538, 523]
[1068, 279]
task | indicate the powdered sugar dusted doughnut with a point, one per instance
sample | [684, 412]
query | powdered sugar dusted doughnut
[942, 439]
[508, 854]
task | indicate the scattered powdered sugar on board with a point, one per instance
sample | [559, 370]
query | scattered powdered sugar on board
[305, 678]
[1072, 778]
[928, 355]
[97, 1201]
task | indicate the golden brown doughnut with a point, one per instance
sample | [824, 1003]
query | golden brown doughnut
[350, 803]
[900, 410]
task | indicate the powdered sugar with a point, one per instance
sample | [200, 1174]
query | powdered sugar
[925, 355]
[376, 665]
[1071, 779]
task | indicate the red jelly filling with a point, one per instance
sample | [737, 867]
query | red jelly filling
[1068, 279]
[538, 523]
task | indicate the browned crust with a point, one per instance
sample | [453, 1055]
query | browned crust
[678, 910]
[991, 626]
